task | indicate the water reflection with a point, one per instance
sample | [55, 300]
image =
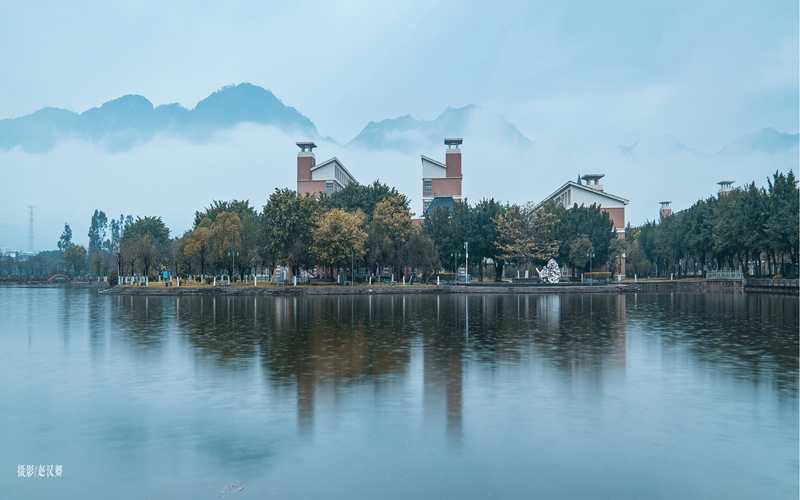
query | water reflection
[318, 346]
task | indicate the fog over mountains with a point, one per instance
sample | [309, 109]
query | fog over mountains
[128, 156]
[131, 120]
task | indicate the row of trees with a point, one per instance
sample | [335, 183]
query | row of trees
[750, 227]
[369, 226]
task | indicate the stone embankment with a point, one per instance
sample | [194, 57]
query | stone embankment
[697, 286]
[676, 286]
[366, 290]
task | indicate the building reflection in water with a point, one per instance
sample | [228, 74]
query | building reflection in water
[324, 348]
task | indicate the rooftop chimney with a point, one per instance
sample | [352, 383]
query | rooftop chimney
[592, 181]
[453, 157]
[665, 210]
[305, 160]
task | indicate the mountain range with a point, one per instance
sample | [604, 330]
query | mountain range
[120, 124]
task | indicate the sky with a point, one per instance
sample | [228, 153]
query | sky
[577, 78]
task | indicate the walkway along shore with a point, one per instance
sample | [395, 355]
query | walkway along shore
[697, 286]
[244, 290]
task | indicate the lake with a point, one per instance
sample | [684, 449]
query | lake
[398, 396]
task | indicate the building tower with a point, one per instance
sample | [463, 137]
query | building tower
[442, 180]
[322, 179]
[665, 210]
[725, 187]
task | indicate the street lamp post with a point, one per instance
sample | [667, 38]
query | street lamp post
[456, 255]
[233, 255]
[353, 268]
[466, 262]
[591, 256]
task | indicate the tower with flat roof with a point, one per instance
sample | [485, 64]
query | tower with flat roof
[442, 180]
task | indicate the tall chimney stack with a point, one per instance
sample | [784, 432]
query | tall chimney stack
[305, 160]
[453, 158]
[665, 210]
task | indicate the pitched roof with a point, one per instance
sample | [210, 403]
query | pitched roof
[440, 164]
[585, 188]
[333, 160]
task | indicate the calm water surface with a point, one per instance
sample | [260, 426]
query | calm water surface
[620, 396]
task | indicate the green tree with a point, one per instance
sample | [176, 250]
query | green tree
[75, 257]
[782, 226]
[66, 239]
[288, 223]
[580, 251]
[421, 253]
[393, 218]
[338, 235]
[97, 231]
[355, 197]
[525, 235]
[145, 241]
[484, 235]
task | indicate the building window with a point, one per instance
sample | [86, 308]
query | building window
[426, 187]
[426, 204]
[329, 187]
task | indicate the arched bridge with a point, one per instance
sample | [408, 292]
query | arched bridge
[48, 279]
[58, 274]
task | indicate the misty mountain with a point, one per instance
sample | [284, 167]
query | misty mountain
[407, 134]
[766, 140]
[667, 144]
[121, 123]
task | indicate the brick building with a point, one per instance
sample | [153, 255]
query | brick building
[590, 193]
[442, 180]
[315, 179]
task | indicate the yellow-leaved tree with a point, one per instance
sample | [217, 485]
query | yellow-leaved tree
[339, 237]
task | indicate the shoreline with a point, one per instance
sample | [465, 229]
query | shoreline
[698, 286]
[367, 290]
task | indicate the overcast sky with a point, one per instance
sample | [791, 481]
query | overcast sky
[705, 71]
[575, 75]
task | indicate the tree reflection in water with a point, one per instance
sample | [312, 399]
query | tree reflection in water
[319, 346]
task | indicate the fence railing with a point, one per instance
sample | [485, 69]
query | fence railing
[724, 275]
[780, 283]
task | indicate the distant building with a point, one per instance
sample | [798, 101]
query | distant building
[725, 187]
[442, 180]
[665, 210]
[592, 192]
[326, 178]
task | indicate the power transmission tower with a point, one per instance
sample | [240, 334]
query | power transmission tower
[30, 228]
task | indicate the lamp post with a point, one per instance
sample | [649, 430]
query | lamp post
[456, 255]
[591, 256]
[466, 262]
[353, 268]
[233, 255]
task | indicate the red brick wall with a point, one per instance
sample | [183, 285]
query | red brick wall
[453, 162]
[314, 188]
[304, 164]
[617, 216]
[446, 187]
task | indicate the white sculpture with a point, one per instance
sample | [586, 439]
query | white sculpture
[551, 273]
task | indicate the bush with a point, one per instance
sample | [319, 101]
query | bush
[113, 278]
[209, 280]
[777, 277]
[598, 275]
